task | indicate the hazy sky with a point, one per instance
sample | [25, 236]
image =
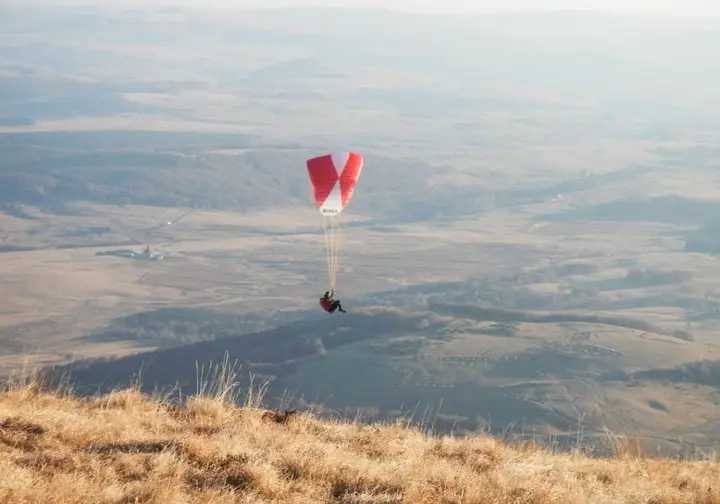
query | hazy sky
[673, 7]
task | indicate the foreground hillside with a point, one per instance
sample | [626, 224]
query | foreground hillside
[128, 447]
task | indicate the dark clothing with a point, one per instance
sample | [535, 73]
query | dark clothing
[330, 305]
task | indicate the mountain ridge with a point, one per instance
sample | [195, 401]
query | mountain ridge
[130, 447]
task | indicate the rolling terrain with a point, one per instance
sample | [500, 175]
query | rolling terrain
[531, 250]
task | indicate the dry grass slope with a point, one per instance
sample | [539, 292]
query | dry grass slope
[130, 448]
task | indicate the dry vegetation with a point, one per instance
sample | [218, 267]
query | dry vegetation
[129, 447]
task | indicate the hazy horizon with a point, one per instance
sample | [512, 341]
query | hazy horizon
[696, 8]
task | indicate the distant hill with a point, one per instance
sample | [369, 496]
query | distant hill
[212, 171]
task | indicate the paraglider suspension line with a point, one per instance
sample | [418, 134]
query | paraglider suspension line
[332, 247]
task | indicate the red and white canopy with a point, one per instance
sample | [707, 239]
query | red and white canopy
[333, 178]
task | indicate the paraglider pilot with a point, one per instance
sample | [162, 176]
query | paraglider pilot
[329, 303]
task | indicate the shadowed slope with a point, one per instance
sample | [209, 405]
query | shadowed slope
[281, 346]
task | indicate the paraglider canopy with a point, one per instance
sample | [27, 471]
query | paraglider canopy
[333, 178]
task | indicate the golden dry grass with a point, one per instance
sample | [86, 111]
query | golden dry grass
[126, 447]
